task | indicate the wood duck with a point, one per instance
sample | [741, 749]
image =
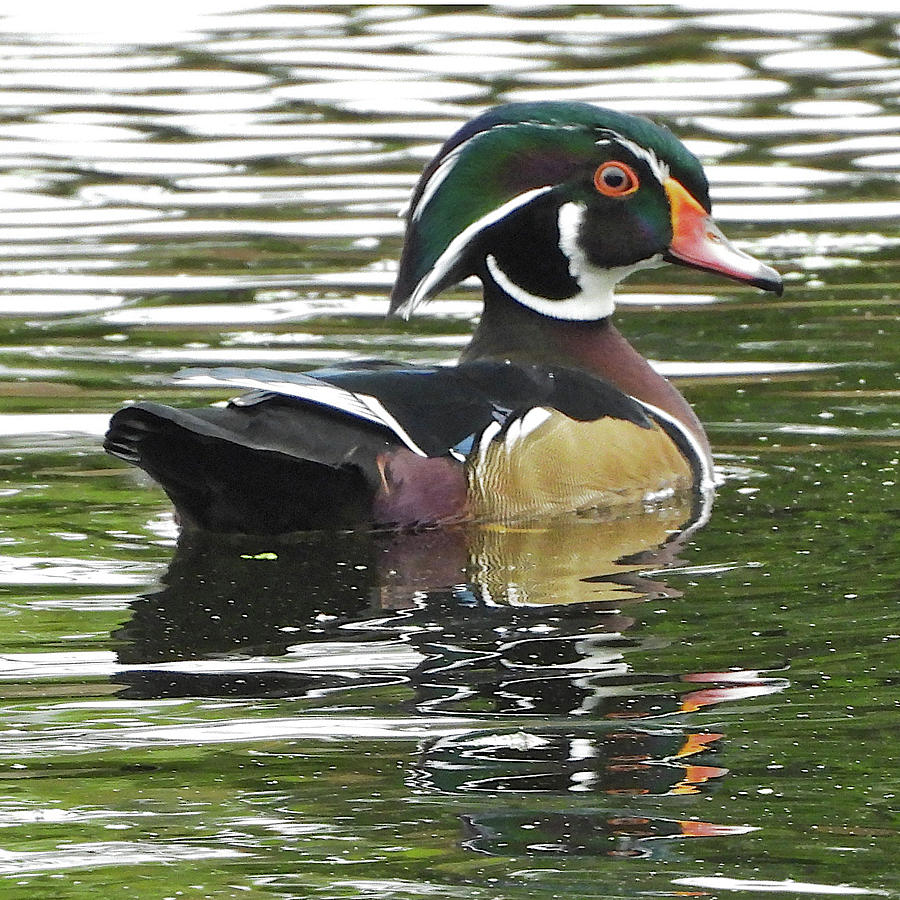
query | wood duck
[549, 409]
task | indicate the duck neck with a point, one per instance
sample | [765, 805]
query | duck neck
[509, 330]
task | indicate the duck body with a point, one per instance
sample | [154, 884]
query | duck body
[396, 447]
[550, 409]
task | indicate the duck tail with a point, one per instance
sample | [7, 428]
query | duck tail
[219, 481]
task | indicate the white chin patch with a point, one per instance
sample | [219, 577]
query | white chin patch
[582, 307]
[595, 299]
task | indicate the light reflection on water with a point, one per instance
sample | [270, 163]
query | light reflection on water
[529, 706]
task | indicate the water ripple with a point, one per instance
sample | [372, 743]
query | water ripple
[88, 855]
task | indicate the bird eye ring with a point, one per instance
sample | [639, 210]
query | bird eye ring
[616, 179]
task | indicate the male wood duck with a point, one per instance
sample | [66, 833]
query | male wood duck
[549, 409]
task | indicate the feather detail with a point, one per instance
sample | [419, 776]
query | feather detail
[303, 387]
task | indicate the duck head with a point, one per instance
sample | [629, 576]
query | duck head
[552, 204]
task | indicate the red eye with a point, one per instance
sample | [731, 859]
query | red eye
[615, 179]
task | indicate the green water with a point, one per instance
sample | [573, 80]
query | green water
[579, 708]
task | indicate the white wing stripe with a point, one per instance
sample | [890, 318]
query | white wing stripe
[387, 419]
[362, 406]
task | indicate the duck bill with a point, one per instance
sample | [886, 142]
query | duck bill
[698, 242]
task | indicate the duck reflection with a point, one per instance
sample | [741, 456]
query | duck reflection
[616, 834]
[627, 762]
[531, 628]
[551, 592]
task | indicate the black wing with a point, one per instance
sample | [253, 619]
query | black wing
[435, 410]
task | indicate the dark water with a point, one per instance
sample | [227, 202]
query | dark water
[583, 708]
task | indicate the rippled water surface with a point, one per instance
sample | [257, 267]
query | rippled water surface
[583, 708]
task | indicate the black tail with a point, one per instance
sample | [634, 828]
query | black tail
[218, 480]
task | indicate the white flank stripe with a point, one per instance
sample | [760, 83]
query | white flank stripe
[707, 476]
[519, 428]
[534, 418]
[489, 433]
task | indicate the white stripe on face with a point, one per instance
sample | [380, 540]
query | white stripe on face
[577, 308]
[458, 245]
[594, 299]
[659, 169]
[445, 167]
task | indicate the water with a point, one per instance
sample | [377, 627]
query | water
[579, 708]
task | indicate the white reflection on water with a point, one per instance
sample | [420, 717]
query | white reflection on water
[808, 212]
[139, 226]
[773, 21]
[353, 660]
[756, 175]
[708, 149]
[244, 730]
[789, 886]
[829, 59]
[40, 305]
[826, 243]
[837, 108]
[83, 59]
[17, 222]
[373, 91]
[597, 27]
[818, 431]
[107, 853]
[731, 369]
[278, 125]
[240, 182]
[261, 313]
[820, 125]
[40, 423]
[391, 199]
[145, 25]
[662, 93]
[146, 80]
[395, 887]
[199, 101]
[882, 161]
[845, 145]
[656, 72]
[70, 127]
[142, 284]
[327, 61]
[11, 816]
[57, 570]
[758, 192]
[216, 150]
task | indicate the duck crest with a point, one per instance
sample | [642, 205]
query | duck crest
[531, 165]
